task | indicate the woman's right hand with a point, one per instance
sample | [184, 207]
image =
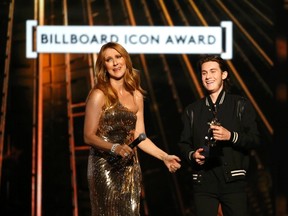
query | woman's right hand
[123, 150]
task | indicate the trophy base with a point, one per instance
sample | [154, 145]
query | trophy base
[206, 151]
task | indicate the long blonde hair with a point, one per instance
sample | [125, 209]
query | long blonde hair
[102, 82]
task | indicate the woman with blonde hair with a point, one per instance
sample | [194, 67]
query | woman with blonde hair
[113, 119]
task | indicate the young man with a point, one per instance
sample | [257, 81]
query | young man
[218, 132]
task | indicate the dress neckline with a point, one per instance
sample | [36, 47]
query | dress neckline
[125, 107]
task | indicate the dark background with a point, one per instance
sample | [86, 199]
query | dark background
[259, 72]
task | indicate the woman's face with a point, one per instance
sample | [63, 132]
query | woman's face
[212, 76]
[115, 63]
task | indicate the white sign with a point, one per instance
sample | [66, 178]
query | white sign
[135, 39]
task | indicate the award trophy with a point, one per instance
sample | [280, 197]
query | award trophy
[210, 142]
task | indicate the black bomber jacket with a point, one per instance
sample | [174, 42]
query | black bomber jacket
[236, 114]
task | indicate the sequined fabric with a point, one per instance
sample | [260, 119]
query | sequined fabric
[114, 184]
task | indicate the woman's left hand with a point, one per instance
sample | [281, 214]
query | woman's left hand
[172, 162]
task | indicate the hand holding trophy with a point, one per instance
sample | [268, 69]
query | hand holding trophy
[209, 140]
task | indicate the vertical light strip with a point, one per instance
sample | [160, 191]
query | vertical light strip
[92, 57]
[34, 126]
[40, 119]
[70, 122]
[6, 84]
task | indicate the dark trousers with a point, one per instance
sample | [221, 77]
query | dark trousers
[232, 204]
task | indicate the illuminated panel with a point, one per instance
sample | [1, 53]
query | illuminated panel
[136, 39]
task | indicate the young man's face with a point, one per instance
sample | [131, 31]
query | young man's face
[212, 76]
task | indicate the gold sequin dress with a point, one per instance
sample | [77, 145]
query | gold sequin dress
[115, 184]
